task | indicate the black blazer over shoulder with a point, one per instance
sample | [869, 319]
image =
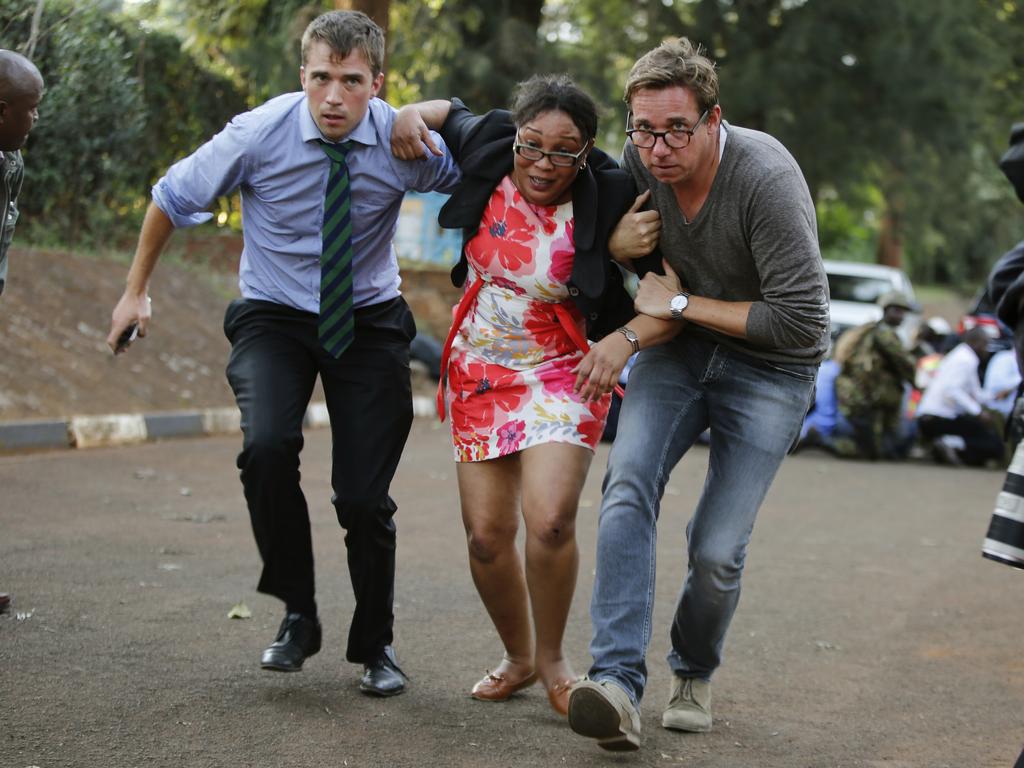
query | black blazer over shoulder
[601, 194]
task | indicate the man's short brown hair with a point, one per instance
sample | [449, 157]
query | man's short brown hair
[344, 32]
[675, 62]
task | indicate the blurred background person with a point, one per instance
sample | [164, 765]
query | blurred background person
[1002, 379]
[952, 414]
[875, 374]
[611, 425]
[824, 426]
[933, 338]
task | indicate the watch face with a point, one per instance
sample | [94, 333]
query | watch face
[679, 302]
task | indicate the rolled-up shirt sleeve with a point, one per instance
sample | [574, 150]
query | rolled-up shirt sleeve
[190, 186]
[430, 174]
[435, 174]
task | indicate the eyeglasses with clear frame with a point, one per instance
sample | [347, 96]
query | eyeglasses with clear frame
[534, 154]
[677, 138]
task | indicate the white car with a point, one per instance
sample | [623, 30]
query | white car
[854, 289]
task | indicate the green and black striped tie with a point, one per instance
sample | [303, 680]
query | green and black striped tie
[337, 324]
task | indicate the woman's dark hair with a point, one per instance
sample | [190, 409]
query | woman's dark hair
[544, 93]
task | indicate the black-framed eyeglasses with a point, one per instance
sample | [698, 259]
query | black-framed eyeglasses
[562, 159]
[677, 138]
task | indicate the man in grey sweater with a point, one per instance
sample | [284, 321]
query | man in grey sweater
[732, 335]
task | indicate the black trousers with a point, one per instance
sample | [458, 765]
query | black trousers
[981, 441]
[275, 359]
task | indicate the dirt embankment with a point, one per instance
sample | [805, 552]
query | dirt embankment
[55, 314]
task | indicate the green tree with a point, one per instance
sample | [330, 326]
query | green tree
[895, 111]
[597, 42]
[184, 104]
[475, 50]
[122, 102]
[255, 43]
[92, 118]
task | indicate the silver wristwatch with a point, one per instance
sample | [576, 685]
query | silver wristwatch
[630, 337]
[677, 304]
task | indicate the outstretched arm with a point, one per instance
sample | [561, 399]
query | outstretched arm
[134, 306]
[410, 134]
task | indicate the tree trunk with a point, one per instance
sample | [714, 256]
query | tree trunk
[377, 10]
[499, 49]
[33, 36]
[890, 236]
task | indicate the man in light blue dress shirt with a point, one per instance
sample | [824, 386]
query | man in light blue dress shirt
[274, 156]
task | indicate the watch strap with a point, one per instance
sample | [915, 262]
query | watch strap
[677, 314]
[631, 337]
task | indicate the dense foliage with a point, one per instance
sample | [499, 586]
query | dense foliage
[897, 112]
[121, 103]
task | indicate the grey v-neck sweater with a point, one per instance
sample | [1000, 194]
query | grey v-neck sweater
[755, 239]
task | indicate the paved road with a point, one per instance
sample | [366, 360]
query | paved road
[870, 632]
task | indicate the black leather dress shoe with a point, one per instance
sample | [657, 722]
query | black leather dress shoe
[383, 676]
[298, 638]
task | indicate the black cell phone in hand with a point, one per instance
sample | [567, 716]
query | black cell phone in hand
[128, 335]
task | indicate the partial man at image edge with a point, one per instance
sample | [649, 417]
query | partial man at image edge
[747, 290]
[21, 91]
[1006, 289]
[320, 293]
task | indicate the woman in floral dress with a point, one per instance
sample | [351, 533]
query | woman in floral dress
[537, 204]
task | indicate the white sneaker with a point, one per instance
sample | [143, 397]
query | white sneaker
[689, 705]
[603, 711]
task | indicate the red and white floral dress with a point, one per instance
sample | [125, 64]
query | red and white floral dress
[510, 379]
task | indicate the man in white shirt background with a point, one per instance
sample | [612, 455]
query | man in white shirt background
[952, 414]
[1002, 378]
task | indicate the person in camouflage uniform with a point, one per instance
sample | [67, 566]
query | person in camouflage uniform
[870, 386]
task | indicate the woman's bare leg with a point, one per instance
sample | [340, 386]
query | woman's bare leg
[489, 493]
[552, 480]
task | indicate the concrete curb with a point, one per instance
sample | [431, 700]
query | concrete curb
[128, 428]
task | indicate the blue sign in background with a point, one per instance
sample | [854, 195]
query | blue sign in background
[419, 240]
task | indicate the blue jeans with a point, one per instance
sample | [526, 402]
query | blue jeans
[676, 391]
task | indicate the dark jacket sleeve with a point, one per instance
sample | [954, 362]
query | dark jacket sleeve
[616, 192]
[616, 305]
[1006, 290]
[465, 132]
[1006, 286]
